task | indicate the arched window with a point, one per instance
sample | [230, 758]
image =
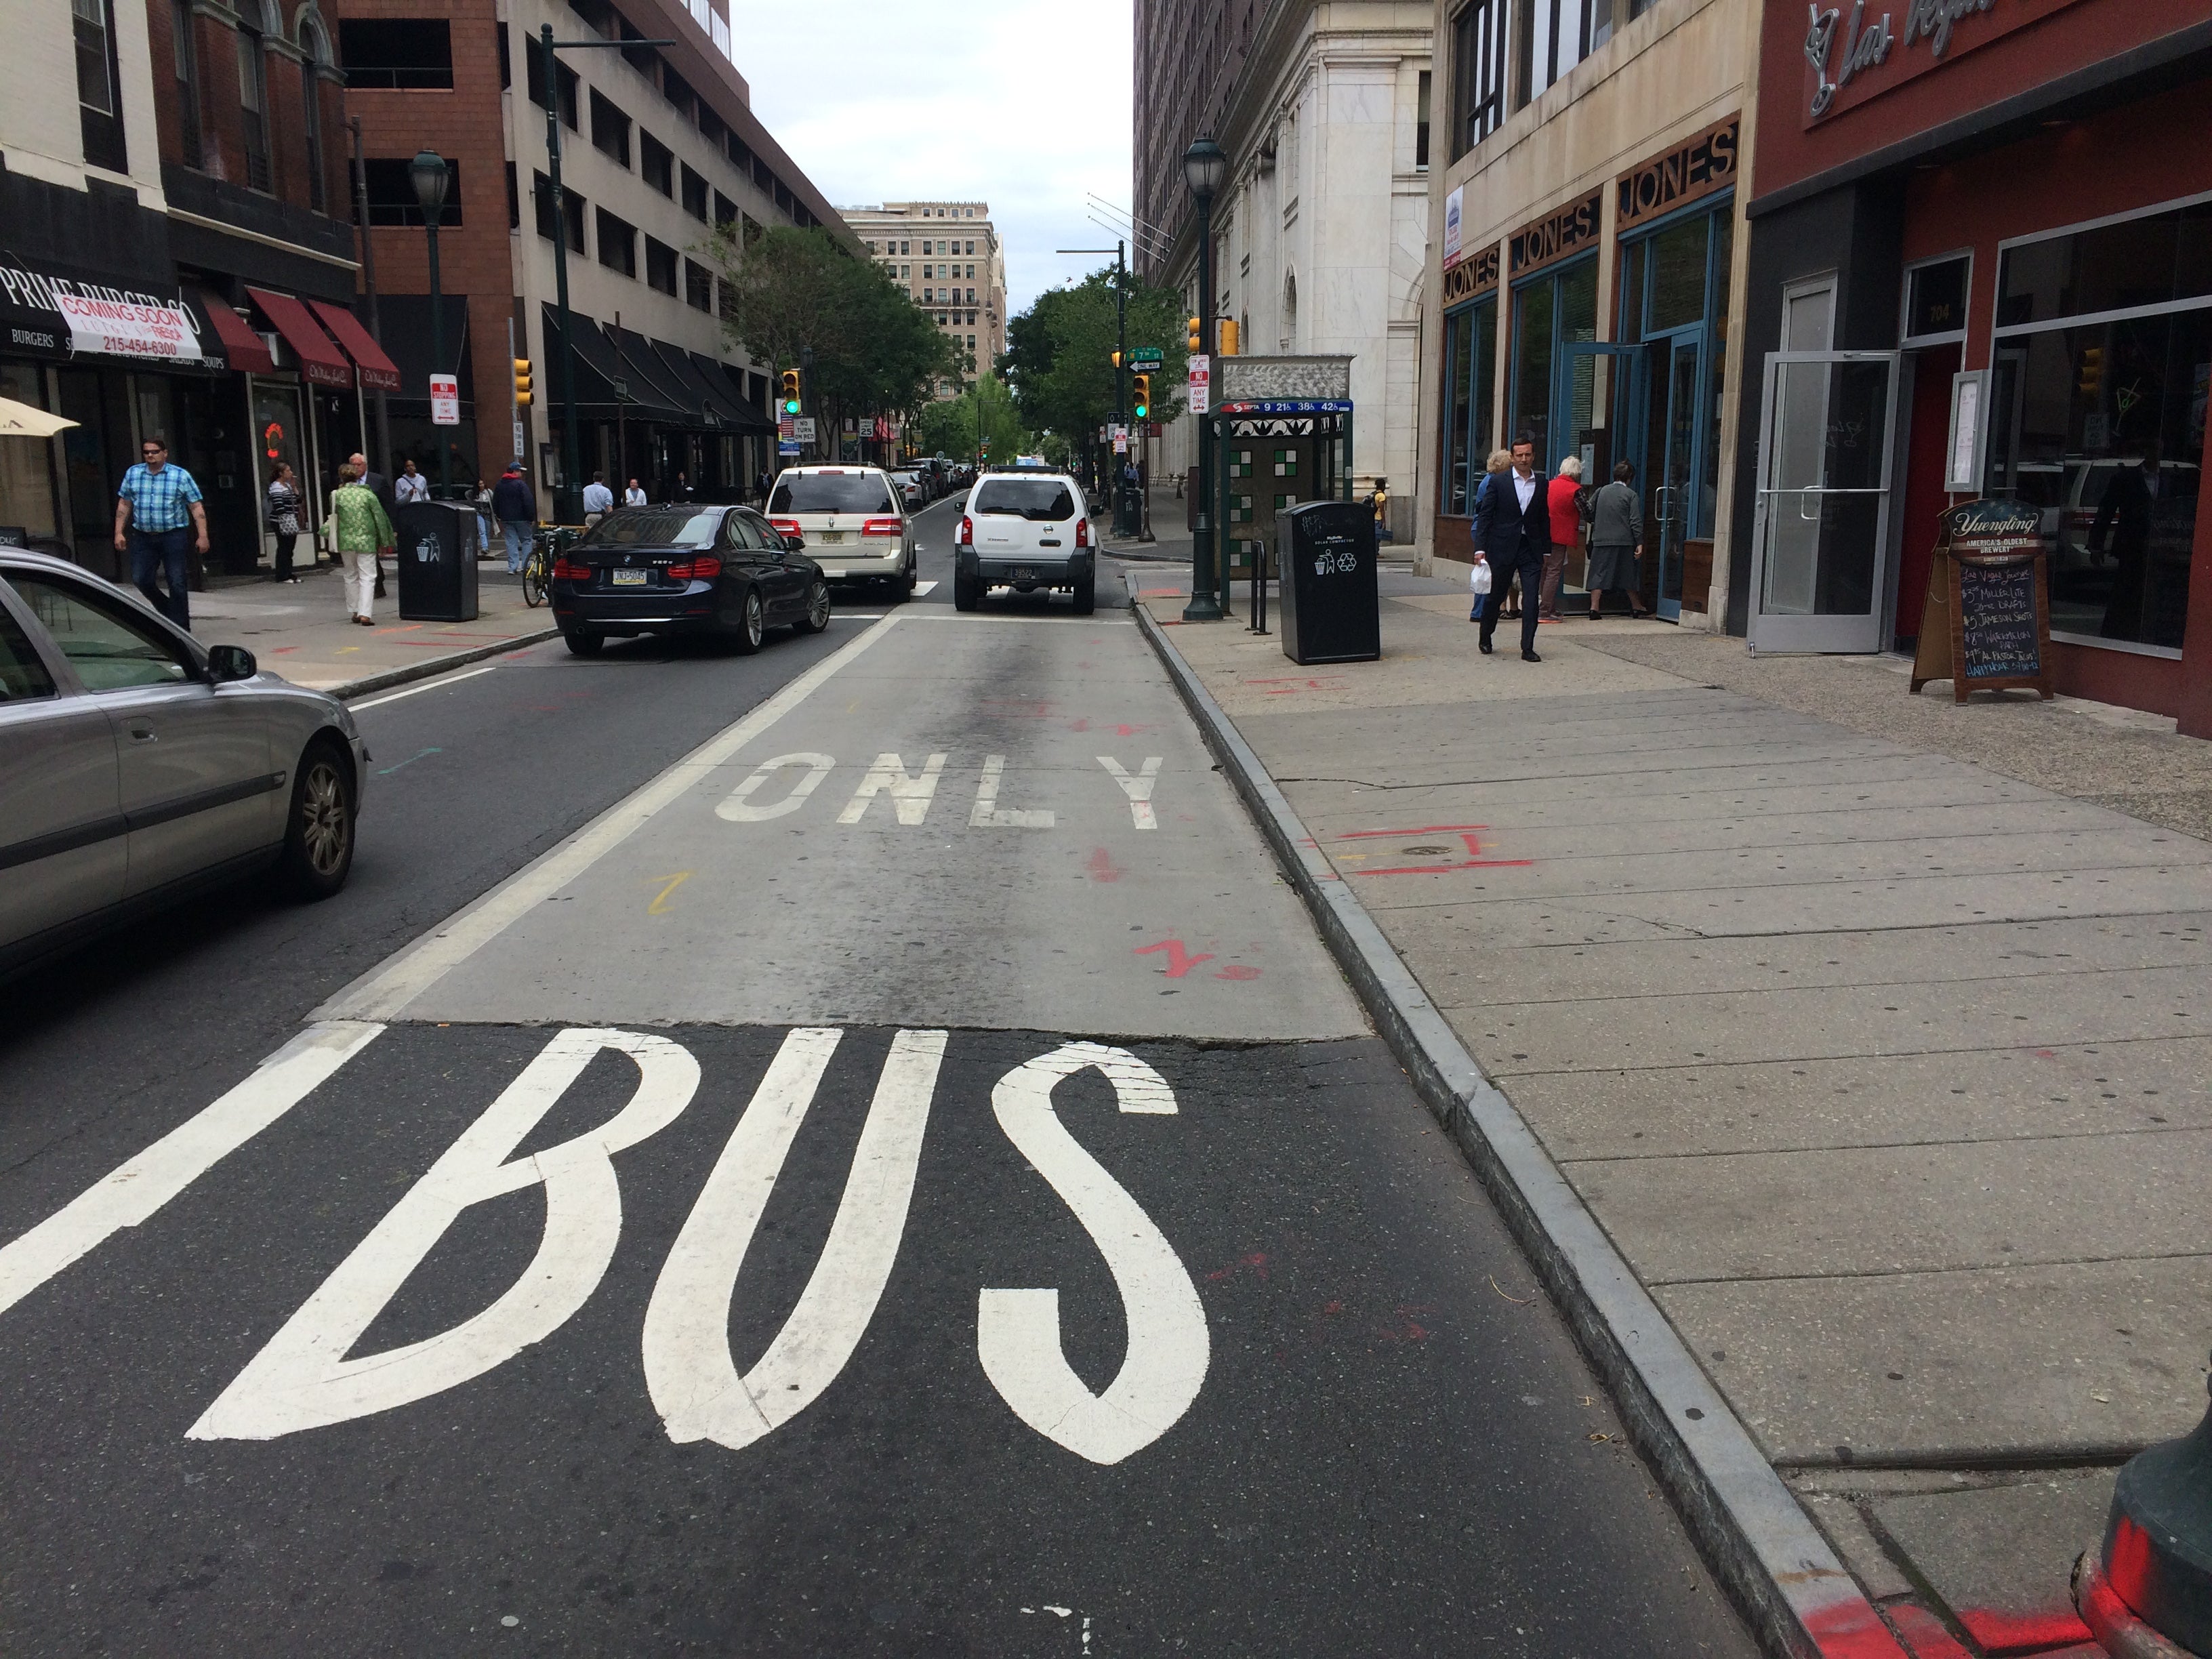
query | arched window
[253, 97]
[314, 53]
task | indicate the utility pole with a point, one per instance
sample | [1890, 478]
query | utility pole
[383, 450]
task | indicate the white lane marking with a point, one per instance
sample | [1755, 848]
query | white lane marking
[438, 684]
[390, 987]
[139, 1186]
[1139, 789]
[939, 615]
[302, 1378]
[911, 796]
[989, 815]
[1017, 1331]
[688, 1369]
[739, 808]
[923, 589]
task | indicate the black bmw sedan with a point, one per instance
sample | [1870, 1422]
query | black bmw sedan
[721, 570]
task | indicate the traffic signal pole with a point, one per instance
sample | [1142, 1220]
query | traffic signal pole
[1122, 504]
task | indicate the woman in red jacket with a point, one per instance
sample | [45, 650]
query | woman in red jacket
[1566, 530]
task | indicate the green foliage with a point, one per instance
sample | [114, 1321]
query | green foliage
[792, 290]
[950, 428]
[1060, 354]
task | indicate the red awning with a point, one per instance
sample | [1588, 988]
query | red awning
[378, 372]
[247, 351]
[319, 360]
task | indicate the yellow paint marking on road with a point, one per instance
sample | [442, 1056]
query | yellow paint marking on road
[659, 905]
[343, 649]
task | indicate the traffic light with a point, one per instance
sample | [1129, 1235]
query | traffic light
[1144, 400]
[2091, 383]
[1229, 341]
[1195, 346]
[522, 382]
[791, 392]
[1117, 359]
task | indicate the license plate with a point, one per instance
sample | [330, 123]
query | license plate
[630, 577]
[833, 573]
[1023, 574]
[829, 536]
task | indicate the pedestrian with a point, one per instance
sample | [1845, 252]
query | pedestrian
[514, 504]
[379, 486]
[2126, 514]
[482, 500]
[683, 488]
[1514, 532]
[763, 484]
[409, 486]
[1380, 502]
[1564, 495]
[159, 519]
[598, 500]
[634, 496]
[284, 519]
[1616, 541]
[1500, 461]
[360, 531]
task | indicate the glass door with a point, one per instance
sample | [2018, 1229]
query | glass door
[1667, 467]
[1821, 555]
[1613, 379]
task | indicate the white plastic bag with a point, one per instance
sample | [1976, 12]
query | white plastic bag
[1478, 583]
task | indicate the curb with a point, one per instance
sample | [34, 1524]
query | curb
[1131, 554]
[1754, 1535]
[432, 666]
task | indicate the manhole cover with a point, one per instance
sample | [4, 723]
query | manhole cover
[1428, 850]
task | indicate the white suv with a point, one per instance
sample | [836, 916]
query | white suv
[854, 521]
[1025, 528]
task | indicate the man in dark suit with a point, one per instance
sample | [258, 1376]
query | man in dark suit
[2129, 508]
[1513, 532]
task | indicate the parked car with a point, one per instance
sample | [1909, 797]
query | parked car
[139, 766]
[1027, 529]
[913, 494]
[724, 571]
[854, 521]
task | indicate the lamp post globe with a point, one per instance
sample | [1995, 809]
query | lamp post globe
[1205, 166]
[432, 179]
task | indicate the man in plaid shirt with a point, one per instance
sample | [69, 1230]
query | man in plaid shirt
[157, 511]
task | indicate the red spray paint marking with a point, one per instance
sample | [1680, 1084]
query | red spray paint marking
[1850, 1629]
[282, 650]
[1103, 867]
[1126, 731]
[2130, 1568]
[1257, 1261]
[1470, 836]
[1180, 960]
[2002, 1635]
[1924, 1634]
[1235, 970]
[1284, 687]
[1083, 724]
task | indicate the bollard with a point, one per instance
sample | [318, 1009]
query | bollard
[2155, 1567]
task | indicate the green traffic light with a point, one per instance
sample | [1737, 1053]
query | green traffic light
[791, 405]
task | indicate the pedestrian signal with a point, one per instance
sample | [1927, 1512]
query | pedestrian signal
[1144, 404]
[791, 392]
[1195, 346]
[1117, 359]
[522, 382]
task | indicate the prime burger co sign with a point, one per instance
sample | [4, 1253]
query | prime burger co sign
[101, 320]
[1846, 43]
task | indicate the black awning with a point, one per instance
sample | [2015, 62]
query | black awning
[744, 416]
[599, 367]
[649, 376]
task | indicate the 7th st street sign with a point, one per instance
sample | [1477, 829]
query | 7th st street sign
[1144, 357]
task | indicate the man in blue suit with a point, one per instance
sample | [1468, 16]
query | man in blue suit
[1513, 532]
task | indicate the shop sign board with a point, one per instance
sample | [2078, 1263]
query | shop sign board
[1472, 278]
[1558, 236]
[1853, 54]
[1985, 625]
[59, 314]
[1703, 165]
[445, 400]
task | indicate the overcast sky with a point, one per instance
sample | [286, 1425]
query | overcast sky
[1025, 104]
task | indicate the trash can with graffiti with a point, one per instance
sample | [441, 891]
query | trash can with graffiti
[1331, 611]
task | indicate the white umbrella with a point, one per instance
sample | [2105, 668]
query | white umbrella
[22, 421]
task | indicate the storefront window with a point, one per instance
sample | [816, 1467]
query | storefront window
[1551, 388]
[1470, 371]
[2156, 259]
[27, 474]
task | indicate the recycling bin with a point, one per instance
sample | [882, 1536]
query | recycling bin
[1325, 555]
[437, 562]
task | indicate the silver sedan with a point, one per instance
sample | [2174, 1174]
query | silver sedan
[137, 765]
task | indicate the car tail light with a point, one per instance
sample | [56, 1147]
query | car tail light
[787, 526]
[704, 569]
[569, 570]
[967, 531]
[882, 528]
[1082, 529]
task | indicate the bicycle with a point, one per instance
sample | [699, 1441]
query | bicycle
[537, 571]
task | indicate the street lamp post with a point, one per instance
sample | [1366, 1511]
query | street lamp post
[1205, 165]
[432, 177]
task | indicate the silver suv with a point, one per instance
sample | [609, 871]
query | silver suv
[1025, 528]
[854, 521]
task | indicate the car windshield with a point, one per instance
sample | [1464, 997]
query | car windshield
[1028, 498]
[658, 527]
[829, 492]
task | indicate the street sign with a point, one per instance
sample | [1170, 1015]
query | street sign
[518, 440]
[1121, 443]
[787, 427]
[445, 400]
[803, 427]
[786, 447]
[1144, 357]
[1201, 383]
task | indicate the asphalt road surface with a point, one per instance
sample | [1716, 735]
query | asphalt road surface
[846, 1150]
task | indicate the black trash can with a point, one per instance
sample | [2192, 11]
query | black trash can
[1325, 554]
[437, 562]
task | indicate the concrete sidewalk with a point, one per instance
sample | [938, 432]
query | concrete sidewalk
[1872, 1029]
[303, 633]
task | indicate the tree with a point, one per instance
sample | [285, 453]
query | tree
[1060, 353]
[951, 427]
[789, 292]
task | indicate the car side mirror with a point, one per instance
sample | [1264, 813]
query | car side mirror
[795, 543]
[231, 662]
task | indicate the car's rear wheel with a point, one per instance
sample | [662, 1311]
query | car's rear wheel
[752, 627]
[818, 610]
[583, 644]
[319, 835]
[1086, 595]
[966, 590]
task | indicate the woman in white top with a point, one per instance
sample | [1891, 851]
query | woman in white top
[284, 519]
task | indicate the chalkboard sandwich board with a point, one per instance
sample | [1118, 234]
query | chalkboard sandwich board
[1986, 625]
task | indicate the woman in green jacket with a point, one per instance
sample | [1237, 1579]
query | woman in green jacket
[360, 531]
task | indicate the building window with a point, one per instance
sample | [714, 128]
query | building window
[1477, 72]
[391, 193]
[695, 195]
[1421, 123]
[514, 200]
[726, 211]
[572, 209]
[406, 54]
[609, 131]
[1555, 36]
[656, 162]
[187, 60]
[563, 78]
[1936, 300]
[618, 244]
[254, 107]
[100, 113]
[314, 56]
[660, 265]
[698, 286]
[1470, 386]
